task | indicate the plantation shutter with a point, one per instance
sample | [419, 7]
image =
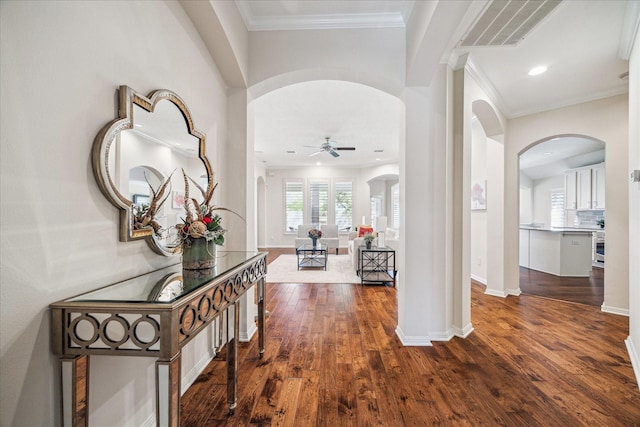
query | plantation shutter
[294, 205]
[344, 204]
[395, 205]
[319, 202]
[557, 208]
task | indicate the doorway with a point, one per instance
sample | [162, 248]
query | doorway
[562, 207]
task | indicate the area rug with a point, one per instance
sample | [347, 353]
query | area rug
[285, 270]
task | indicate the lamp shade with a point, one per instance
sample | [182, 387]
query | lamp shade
[381, 223]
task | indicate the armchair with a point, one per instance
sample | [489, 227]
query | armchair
[330, 236]
[303, 234]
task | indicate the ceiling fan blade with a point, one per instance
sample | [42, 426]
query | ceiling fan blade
[334, 153]
[317, 152]
[345, 148]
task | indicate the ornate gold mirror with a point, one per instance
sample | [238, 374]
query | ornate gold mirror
[134, 160]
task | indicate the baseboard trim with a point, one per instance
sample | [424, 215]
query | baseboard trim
[479, 279]
[635, 359]
[414, 341]
[150, 421]
[426, 341]
[615, 310]
[464, 332]
[515, 292]
[245, 336]
[190, 377]
[495, 293]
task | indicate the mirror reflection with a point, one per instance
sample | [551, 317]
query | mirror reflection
[140, 158]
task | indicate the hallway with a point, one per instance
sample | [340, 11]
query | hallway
[333, 358]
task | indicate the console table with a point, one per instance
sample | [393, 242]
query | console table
[154, 315]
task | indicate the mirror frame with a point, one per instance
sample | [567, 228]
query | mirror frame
[127, 99]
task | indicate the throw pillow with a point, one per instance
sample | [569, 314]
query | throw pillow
[364, 229]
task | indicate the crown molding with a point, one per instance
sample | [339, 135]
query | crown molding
[570, 101]
[324, 21]
[487, 86]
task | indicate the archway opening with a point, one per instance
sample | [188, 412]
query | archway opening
[562, 219]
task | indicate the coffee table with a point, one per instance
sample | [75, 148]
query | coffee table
[312, 256]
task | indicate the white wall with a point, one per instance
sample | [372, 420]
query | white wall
[633, 341]
[61, 65]
[526, 199]
[607, 120]
[541, 195]
[275, 233]
[478, 217]
[371, 56]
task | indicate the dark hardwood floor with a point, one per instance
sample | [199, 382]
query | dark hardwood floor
[333, 359]
[582, 290]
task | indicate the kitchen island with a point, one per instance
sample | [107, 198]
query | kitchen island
[559, 251]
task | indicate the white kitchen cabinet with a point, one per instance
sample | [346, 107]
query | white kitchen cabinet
[583, 187]
[597, 187]
[561, 252]
[524, 248]
[570, 180]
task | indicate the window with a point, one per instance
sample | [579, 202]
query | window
[344, 204]
[395, 205]
[319, 202]
[557, 208]
[294, 204]
[376, 208]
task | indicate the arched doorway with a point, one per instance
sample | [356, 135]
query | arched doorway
[562, 204]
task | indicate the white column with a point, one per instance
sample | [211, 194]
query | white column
[431, 305]
[240, 194]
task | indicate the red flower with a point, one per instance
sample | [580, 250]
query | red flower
[206, 219]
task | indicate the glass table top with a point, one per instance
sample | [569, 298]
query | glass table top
[166, 284]
[310, 247]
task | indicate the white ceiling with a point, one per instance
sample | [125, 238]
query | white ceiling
[553, 157]
[579, 43]
[290, 120]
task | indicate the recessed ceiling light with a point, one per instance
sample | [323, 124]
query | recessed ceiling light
[318, 164]
[378, 151]
[378, 159]
[291, 151]
[548, 153]
[535, 71]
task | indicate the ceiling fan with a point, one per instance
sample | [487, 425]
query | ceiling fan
[330, 147]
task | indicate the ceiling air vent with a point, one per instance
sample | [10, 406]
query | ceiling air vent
[506, 22]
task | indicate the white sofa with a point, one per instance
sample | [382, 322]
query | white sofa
[390, 240]
[329, 235]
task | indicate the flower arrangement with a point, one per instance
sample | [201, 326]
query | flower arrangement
[314, 233]
[369, 237]
[201, 221]
[144, 214]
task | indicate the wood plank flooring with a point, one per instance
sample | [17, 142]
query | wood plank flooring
[333, 359]
[583, 290]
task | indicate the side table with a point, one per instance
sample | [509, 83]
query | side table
[377, 265]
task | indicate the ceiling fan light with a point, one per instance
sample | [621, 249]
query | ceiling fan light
[536, 71]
